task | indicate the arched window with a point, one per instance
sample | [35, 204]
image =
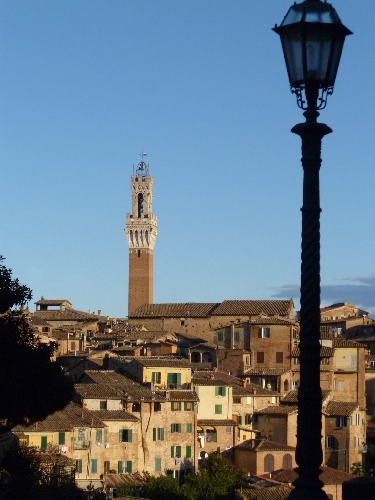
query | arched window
[287, 461]
[269, 463]
[286, 386]
[140, 205]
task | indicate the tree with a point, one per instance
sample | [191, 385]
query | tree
[357, 468]
[31, 385]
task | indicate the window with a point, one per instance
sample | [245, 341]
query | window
[236, 401]
[260, 357]
[156, 377]
[287, 461]
[220, 391]
[236, 336]
[340, 385]
[188, 406]
[136, 407]
[79, 466]
[175, 451]
[94, 466]
[188, 452]
[107, 466]
[249, 400]
[296, 361]
[324, 361]
[341, 421]
[220, 336]
[125, 436]
[103, 404]
[189, 427]
[330, 442]
[357, 419]
[228, 430]
[158, 434]
[263, 333]
[269, 463]
[157, 406]
[248, 419]
[61, 438]
[174, 380]
[99, 435]
[239, 420]
[218, 409]
[295, 384]
[157, 464]
[124, 466]
[176, 428]
[176, 405]
[279, 357]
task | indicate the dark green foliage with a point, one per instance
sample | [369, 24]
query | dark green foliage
[31, 385]
[215, 481]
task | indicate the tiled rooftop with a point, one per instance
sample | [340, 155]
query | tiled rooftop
[63, 420]
[164, 362]
[216, 422]
[217, 375]
[325, 352]
[339, 409]
[327, 476]
[292, 397]
[277, 410]
[118, 415]
[254, 308]
[182, 310]
[182, 395]
[277, 492]
[253, 390]
[265, 371]
[340, 342]
[263, 445]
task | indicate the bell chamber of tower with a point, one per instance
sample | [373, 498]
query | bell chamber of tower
[141, 232]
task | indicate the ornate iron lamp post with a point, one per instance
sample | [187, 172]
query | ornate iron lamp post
[312, 38]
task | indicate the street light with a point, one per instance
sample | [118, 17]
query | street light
[312, 37]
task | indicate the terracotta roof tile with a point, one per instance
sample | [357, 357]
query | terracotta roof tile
[263, 445]
[277, 410]
[182, 396]
[265, 371]
[327, 476]
[325, 352]
[66, 315]
[339, 409]
[217, 375]
[182, 310]
[216, 422]
[339, 342]
[122, 415]
[254, 308]
[249, 391]
[164, 362]
[64, 420]
[277, 492]
[292, 396]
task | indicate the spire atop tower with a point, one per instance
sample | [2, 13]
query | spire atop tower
[142, 167]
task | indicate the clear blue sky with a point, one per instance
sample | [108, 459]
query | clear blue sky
[201, 86]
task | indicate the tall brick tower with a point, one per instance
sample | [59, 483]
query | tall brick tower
[141, 231]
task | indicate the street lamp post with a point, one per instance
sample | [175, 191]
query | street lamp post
[312, 38]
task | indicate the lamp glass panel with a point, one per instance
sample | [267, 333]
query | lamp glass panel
[318, 51]
[338, 44]
[293, 56]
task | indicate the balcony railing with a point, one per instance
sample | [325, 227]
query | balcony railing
[81, 445]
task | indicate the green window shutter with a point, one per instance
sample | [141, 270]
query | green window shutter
[162, 434]
[169, 379]
[179, 405]
[172, 451]
[239, 420]
[120, 467]
[61, 438]
[99, 435]
[79, 466]
[224, 391]
[94, 465]
[216, 391]
[130, 436]
[129, 466]
[106, 436]
[179, 427]
[189, 427]
[172, 405]
[172, 427]
[218, 409]
[178, 451]
[120, 436]
[154, 434]
[43, 443]
[188, 451]
[153, 377]
[157, 464]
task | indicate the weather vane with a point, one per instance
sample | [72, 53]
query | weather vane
[142, 167]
